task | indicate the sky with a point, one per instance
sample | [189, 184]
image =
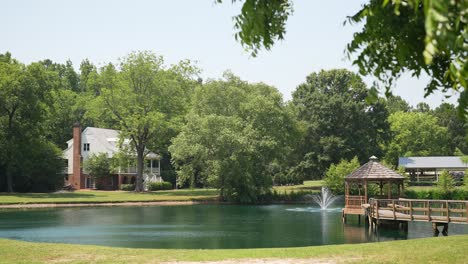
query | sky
[104, 31]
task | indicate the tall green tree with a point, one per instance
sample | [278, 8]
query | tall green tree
[398, 36]
[457, 127]
[69, 99]
[234, 132]
[414, 36]
[339, 123]
[395, 103]
[146, 99]
[24, 149]
[416, 134]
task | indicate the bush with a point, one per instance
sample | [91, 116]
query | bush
[446, 182]
[127, 187]
[455, 194]
[156, 186]
[334, 178]
[169, 176]
[98, 166]
[465, 180]
[281, 179]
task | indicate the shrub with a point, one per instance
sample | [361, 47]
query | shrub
[127, 187]
[169, 176]
[155, 186]
[465, 180]
[455, 194]
[282, 178]
[98, 166]
[446, 182]
[334, 178]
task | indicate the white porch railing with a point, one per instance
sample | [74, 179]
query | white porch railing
[133, 170]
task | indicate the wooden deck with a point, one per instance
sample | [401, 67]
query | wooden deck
[436, 211]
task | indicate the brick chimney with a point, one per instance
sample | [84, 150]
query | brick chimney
[76, 177]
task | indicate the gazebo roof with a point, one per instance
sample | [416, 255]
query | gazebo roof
[374, 171]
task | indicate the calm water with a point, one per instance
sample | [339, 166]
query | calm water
[199, 226]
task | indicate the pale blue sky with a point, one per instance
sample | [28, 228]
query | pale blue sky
[201, 30]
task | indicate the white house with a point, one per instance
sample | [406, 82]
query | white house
[94, 140]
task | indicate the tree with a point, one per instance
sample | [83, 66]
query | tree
[457, 127]
[415, 36]
[422, 108]
[395, 103]
[398, 36]
[415, 134]
[24, 94]
[335, 176]
[234, 132]
[338, 122]
[446, 182]
[146, 100]
[261, 23]
[98, 166]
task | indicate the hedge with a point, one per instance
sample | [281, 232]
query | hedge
[456, 194]
[155, 186]
[127, 187]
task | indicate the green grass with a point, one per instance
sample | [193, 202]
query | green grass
[307, 186]
[451, 249]
[88, 196]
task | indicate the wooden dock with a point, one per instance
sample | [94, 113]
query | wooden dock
[439, 212]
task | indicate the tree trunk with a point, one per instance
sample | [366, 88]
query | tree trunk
[139, 174]
[9, 151]
[9, 180]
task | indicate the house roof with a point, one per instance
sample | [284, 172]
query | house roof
[442, 162]
[108, 139]
[373, 170]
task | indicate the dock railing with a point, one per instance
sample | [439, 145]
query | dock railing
[439, 211]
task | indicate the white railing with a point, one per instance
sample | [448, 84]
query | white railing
[133, 170]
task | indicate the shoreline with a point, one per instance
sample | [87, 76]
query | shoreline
[105, 204]
[136, 203]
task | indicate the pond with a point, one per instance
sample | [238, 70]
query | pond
[198, 226]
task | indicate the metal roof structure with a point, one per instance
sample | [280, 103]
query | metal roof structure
[374, 171]
[442, 162]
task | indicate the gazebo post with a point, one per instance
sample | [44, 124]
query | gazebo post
[346, 193]
[389, 188]
[365, 191]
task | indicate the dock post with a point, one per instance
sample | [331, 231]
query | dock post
[445, 230]
[434, 228]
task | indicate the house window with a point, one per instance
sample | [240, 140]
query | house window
[148, 163]
[86, 147]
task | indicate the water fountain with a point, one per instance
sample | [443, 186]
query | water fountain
[325, 198]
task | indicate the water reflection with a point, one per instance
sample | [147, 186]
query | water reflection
[201, 226]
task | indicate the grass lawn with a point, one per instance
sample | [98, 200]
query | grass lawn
[451, 249]
[92, 196]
